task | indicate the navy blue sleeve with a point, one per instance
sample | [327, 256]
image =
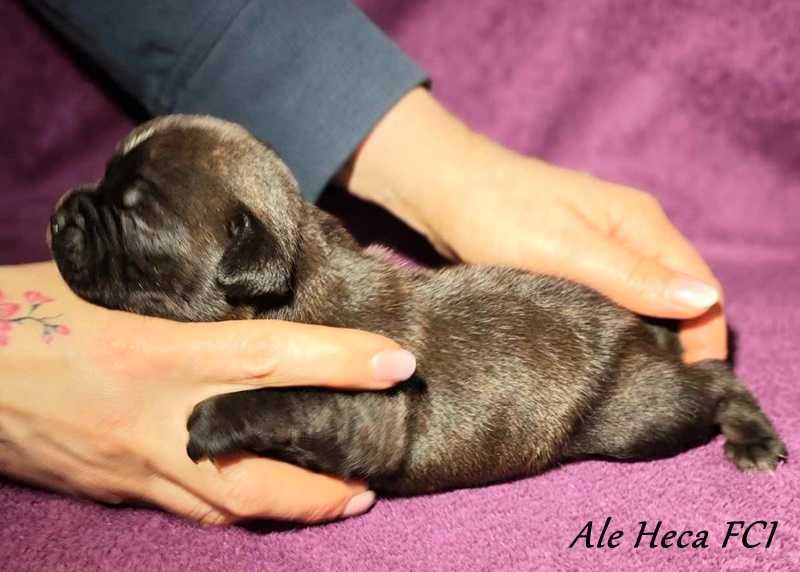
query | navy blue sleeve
[311, 77]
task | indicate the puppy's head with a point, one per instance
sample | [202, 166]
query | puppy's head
[194, 219]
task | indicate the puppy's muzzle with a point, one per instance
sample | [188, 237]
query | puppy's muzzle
[77, 231]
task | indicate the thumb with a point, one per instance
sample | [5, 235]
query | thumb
[250, 487]
[639, 282]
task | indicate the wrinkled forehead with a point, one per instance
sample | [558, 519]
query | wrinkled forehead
[198, 124]
[201, 159]
[179, 168]
[169, 146]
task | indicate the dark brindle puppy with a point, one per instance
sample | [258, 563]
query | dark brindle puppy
[197, 220]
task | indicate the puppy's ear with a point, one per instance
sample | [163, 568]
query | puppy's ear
[254, 264]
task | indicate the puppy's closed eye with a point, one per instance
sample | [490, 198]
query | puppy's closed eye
[135, 192]
[239, 225]
[131, 197]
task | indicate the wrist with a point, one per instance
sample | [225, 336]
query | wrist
[414, 163]
[433, 172]
[35, 332]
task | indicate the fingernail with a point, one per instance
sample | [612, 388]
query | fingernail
[690, 292]
[394, 365]
[359, 504]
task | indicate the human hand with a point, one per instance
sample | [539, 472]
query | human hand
[94, 402]
[481, 203]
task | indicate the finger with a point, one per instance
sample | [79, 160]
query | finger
[706, 336]
[646, 286]
[274, 489]
[656, 237]
[276, 353]
[638, 282]
[653, 229]
[176, 499]
[247, 487]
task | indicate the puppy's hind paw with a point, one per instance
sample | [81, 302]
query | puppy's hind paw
[752, 442]
[763, 455]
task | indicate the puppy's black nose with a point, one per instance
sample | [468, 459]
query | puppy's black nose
[57, 222]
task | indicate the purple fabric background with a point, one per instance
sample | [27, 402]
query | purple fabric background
[698, 102]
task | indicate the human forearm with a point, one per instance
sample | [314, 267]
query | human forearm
[412, 163]
[310, 77]
[35, 328]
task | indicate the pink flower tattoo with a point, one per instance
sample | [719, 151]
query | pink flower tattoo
[11, 317]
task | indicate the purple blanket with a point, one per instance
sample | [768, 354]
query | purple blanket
[698, 103]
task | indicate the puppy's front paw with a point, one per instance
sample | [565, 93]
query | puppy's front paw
[212, 433]
[296, 426]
